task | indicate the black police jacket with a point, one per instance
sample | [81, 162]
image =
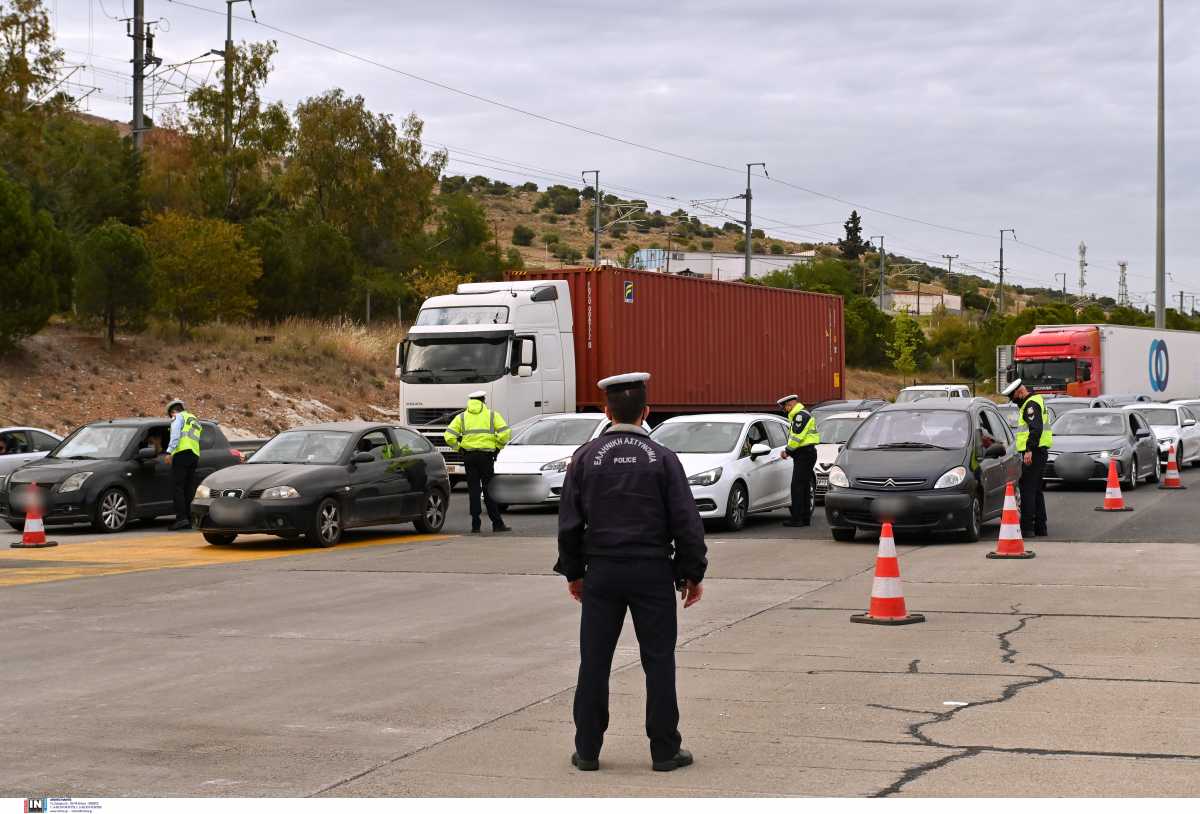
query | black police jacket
[626, 496]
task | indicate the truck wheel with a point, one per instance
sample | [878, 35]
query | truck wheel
[326, 527]
[844, 535]
[219, 537]
[737, 507]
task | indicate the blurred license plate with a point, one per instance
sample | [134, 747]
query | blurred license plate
[455, 469]
[231, 513]
[823, 480]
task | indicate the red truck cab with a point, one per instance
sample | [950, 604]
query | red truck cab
[1064, 360]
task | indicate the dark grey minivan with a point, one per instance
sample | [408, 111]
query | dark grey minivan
[931, 465]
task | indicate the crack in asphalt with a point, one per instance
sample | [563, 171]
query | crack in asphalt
[1007, 651]
[912, 666]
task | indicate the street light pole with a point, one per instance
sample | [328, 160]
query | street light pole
[1160, 232]
[749, 227]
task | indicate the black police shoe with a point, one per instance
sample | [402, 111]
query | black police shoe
[584, 765]
[500, 528]
[682, 758]
[181, 525]
[1041, 531]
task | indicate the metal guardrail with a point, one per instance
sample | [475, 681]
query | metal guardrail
[248, 445]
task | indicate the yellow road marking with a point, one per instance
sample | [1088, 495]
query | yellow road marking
[182, 550]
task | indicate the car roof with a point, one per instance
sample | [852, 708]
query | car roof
[38, 429]
[1150, 405]
[958, 405]
[139, 421]
[1101, 411]
[852, 414]
[345, 426]
[932, 386]
[730, 417]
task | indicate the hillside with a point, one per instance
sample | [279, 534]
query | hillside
[64, 377]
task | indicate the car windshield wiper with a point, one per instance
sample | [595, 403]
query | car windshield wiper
[909, 445]
[424, 370]
[77, 458]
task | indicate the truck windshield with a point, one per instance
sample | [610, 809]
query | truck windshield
[1053, 372]
[451, 360]
[464, 315]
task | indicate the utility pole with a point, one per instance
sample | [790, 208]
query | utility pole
[1082, 268]
[1122, 285]
[882, 264]
[749, 227]
[1063, 274]
[1181, 302]
[1000, 291]
[950, 258]
[596, 224]
[229, 68]
[139, 70]
[1160, 232]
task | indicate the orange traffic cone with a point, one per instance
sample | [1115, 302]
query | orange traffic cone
[887, 593]
[1171, 479]
[1114, 501]
[1011, 545]
[34, 535]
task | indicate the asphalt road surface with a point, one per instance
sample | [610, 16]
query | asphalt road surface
[151, 664]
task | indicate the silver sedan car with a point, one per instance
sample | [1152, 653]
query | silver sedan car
[1086, 441]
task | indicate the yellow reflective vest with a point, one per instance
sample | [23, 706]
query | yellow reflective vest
[189, 436]
[477, 429]
[1023, 427]
[803, 431]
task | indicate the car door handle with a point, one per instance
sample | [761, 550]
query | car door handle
[537, 404]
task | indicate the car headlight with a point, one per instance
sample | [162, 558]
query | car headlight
[203, 491]
[837, 477]
[74, 482]
[952, 478]
[557, 466]
[1166, 443]
[279, 493]
[705, 478]
[1111, 453]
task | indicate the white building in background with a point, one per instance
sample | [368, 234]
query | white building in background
[921, 303]
[717, 265]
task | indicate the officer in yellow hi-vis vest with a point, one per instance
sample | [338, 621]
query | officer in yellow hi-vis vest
[1034, 440]
[183, 453]
[802, 449]
[480, 433]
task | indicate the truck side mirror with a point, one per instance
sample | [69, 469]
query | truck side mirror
[525, 371]
[526, 353]
[401, 354]
[1085, 371]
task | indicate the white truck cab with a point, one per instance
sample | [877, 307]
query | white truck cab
[512, 339]
[933, 391]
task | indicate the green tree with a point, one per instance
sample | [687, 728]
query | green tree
[852, 245]
[464, 239]
[115, 281]
[28, 63]
[87, 175]
[29, 292]
[522, 235]
[203, 269]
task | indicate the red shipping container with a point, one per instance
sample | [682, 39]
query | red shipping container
[709, 346]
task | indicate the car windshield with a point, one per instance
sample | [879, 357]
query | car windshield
[557, 432]
[913, 429]
[837, 430]
[1161, 418]
[451, 360]
[303, 447]
[699, 437]
[96, 441]
[1063, 407]
[907, 396]
[1089, 422]
[1010, 413]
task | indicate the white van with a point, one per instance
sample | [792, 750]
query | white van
[933, 391]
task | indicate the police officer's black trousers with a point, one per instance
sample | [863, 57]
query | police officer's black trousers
[803, 461]
[647, 588]
[480, 467]
[183, 483]
[1033, 501]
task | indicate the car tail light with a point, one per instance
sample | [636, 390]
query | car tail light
[237, 453]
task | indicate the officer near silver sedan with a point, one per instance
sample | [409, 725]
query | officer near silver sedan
[629, 537]
[1034, 440]
[802, 449]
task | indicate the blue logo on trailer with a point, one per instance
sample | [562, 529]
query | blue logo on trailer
[1160, 366]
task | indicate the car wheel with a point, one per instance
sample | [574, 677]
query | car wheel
[219, 537]
[844, 535]
[112, 511]
[434, 515]
[812, 496]
[974, 521]
[1132, 483]
[1156, 475]
[326, 528]
[736, 508]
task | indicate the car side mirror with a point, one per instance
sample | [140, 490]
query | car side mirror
[759, 450]
[362, 458]
[1143, 433]
[146, 454]
[995, 451]
[524, 371]
[1189, 422]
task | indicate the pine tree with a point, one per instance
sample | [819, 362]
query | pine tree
[852, 246]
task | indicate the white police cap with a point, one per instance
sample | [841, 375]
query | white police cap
[624, 381]
[478, 394]
[787, 398]
[1012, 387]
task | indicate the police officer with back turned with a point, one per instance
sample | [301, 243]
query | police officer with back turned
[480, 433]
[802, 449]
[1034, 439]
[629, 536]
[183, 453]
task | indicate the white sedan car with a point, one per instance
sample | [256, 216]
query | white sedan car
[835, 431]
[531, 468]
[1173, 424]
[732, 462]
[22, 445]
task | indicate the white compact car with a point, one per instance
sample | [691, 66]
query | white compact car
[531, 467]
[22, 445]
[835, 431]
[732, 462]
[1173, 424]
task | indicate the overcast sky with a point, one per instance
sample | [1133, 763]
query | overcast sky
[973, 114]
